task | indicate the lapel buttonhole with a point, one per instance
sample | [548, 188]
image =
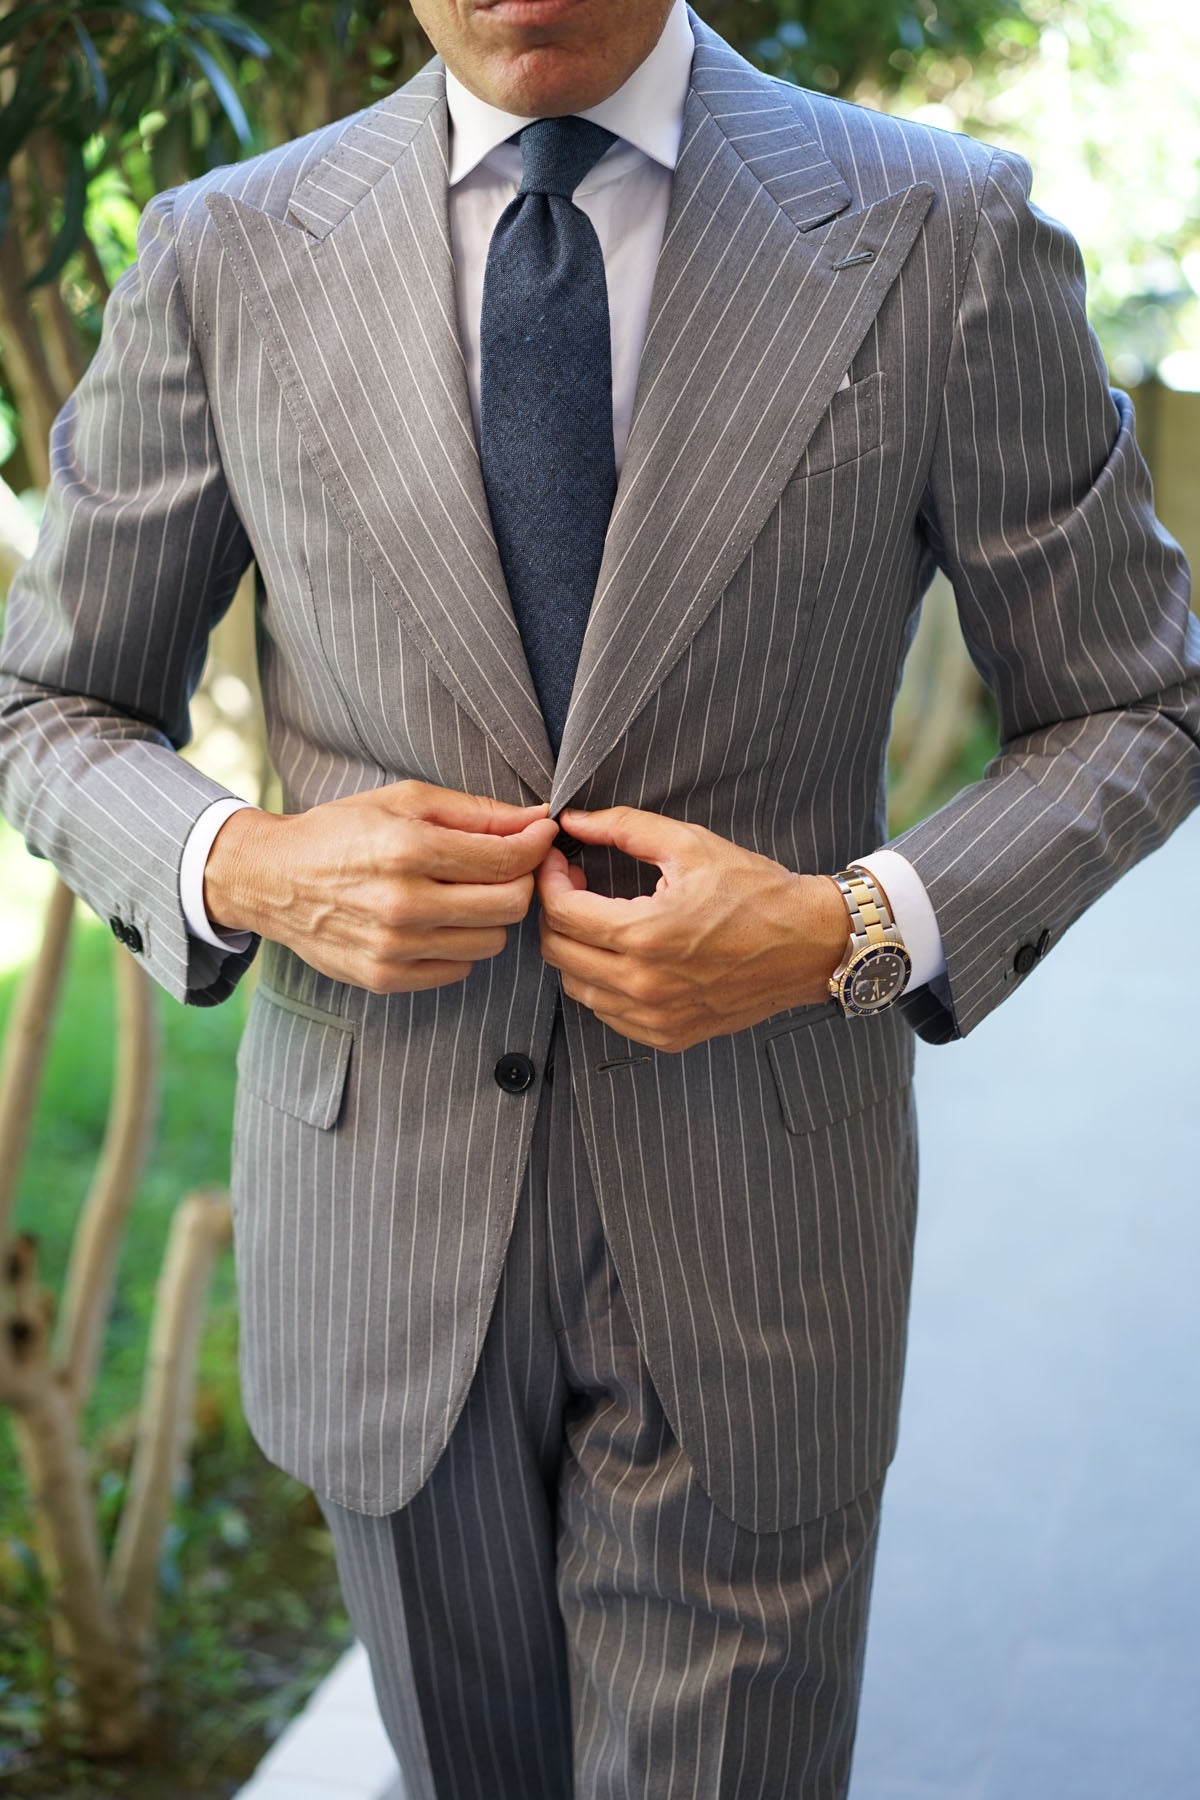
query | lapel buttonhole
[852, 262]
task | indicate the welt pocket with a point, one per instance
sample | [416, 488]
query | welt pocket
[850, 427]
[828, 1068]
[295, 1057]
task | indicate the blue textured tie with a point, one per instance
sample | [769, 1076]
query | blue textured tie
[546, 438]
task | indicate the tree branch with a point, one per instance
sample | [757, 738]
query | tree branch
[25, 1045]
[96, 1246]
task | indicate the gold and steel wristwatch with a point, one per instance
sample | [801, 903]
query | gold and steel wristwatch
[875, 969]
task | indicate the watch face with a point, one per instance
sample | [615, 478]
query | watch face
[877, 979]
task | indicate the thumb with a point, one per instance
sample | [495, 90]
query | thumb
[647, 835]
[463, 812]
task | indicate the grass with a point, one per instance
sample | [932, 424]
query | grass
[252, 1616]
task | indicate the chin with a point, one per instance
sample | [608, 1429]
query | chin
[542, 90]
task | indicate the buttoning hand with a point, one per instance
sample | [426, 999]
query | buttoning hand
[396, 889]
[727, 938]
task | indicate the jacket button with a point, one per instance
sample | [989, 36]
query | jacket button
[1025, 959]
[133, 938]
[514, 1073]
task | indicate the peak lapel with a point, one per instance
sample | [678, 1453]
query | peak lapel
[765, 288]
[355, 302]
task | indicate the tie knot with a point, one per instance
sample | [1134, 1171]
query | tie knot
[556, 154]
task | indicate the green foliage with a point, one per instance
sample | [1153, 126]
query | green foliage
[251, 1617]
[838, 45]
[91, 75]
[1106, 115]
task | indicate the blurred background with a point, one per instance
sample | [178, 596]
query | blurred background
[124, 1459]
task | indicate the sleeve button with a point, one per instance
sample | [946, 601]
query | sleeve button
[116, 926]
[1025, 959]
[133, 938]
[514, 1073]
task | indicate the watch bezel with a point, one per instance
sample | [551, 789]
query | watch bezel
[857, 962]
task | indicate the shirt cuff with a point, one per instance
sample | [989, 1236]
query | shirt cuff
[191, 877]
[912, 910]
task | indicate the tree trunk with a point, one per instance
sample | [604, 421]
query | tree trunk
[200, 1228]
[96, 1245]
[95, 1653]
[25, 1046]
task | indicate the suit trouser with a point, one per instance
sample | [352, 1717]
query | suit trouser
[561, 1610]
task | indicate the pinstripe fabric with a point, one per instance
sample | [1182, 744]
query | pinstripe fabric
[282, 376]
[561, 1609]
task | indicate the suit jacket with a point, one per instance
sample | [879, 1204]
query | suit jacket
[281, 378]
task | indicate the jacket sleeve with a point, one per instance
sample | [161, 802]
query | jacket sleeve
[139, 555]
[1074, 604]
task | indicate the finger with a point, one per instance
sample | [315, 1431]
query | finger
[555, 861]
[418, 977]
[468, 903]
[614, 1011]
[647, 835]
[461, 812]
[589, 918]
[454, 944]
[583, 962]
[446, 854]
[554, 867]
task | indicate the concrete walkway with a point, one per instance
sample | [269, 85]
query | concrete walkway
[1036, 1623]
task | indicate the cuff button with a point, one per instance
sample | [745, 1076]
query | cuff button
[1025, 959]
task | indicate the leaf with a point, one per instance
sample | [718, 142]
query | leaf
[135, 92]
[95, 66]
[67, 237]
[234, 31]
[224, 90]
[153, 10]
[12, 26]
[5, 203]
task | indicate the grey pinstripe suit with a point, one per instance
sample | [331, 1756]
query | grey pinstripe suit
[281, 378]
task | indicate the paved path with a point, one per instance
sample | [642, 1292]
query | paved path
[1035, 1628]
[1036, 1624]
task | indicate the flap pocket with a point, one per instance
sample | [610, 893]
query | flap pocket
[852, 426]
[828, 1067]
[295, 1057]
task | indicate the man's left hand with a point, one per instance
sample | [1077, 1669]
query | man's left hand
[727, 938]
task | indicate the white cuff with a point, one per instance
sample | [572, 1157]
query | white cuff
[191, 876]
[912, 910]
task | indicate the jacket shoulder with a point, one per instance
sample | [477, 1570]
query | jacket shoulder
[877, 152]
[356, 144]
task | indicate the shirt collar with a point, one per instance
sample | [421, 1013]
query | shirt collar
[647, 110]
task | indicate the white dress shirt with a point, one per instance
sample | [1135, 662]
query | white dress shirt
[626, 197]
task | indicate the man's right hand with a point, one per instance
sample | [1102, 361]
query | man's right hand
[396, 889]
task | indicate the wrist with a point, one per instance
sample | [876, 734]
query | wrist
[832, 930]
[819, 926]
[241, 852]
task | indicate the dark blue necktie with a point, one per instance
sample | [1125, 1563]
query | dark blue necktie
[546, 437]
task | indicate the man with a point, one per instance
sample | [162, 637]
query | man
[595, 477]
